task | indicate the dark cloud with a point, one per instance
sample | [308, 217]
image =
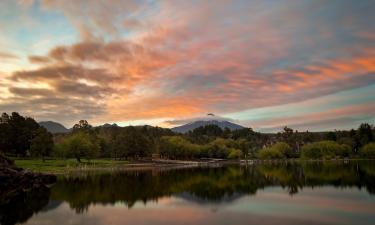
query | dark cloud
[39, 59]
[58, 53]
[67, 110]
[29, 92]
[65, 72]
[73, 92]
[80, 89]
[94, 51]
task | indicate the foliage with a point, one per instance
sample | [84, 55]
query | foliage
[79, 145]
[365, 134]
[16, 134]
[82, 125]
[325, 150]
[220, 148]
[22, 136]
[280, 150]
[42, 144]
[176, 147]
[368, 151]
[235, 154]
[131, 143]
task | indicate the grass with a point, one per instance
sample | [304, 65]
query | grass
[66, 165]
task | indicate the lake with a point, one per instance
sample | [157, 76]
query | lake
[279, 193]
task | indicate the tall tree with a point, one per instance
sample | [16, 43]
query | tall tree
[364, 134]
[41, 144]
[16, 133]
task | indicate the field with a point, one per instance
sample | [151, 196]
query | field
[66, 165]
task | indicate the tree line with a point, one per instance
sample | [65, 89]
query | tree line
[24, 137]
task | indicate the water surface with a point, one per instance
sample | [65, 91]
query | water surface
[293, 193]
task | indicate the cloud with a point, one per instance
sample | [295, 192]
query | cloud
[64, 72]
[7, 56]
[28, 92]
[93, 19]
[39, 59]
[137, 60]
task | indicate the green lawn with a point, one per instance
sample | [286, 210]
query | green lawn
[66, 165]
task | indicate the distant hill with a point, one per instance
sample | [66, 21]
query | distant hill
[54, 127]
[109, 125]
[191, 126]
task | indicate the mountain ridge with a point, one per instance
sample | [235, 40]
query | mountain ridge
[54, 127]
[200, 123]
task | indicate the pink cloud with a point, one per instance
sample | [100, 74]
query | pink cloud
[181, 59]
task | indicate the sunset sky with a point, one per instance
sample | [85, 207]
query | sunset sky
[260, 63]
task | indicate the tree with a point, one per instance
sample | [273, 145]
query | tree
[41, 144]
[82, 125]
[368, 151]
[80, 145]
[4, 118]
[331, 136]
[245, 147]
[177, 147]
[5, 138]
[364, 134]
[16, 133]
[131, 143]
[325, 150]
[245, 133]
[235, 154]
[280, 150]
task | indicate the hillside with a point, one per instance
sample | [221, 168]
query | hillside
[54, 127]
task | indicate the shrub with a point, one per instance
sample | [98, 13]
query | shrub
[235, 154]
[279, 150]
[325, 150]
[176, 147]
[368, 151]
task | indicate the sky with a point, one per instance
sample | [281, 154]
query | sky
[265, 64]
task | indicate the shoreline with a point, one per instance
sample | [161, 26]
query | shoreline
[169, 164]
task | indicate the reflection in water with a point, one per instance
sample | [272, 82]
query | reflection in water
[23, 206]
[316, 193]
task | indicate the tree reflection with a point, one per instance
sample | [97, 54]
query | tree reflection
[20, 208]
[200, 185]
[208, 185]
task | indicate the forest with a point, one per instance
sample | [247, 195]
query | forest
[23, 137]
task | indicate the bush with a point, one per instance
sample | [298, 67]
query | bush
[235, 154]
[325, 150]
[279, 150]
[176, 147]
[368, 151]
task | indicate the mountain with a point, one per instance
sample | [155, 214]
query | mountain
[191, 126]
[106, 125]
[54, 127]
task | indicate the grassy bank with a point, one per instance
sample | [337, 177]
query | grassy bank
[66, 165]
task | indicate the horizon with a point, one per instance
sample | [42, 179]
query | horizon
[308, 65]
[273, 130]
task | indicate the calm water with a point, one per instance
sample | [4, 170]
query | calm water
[324, 193]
